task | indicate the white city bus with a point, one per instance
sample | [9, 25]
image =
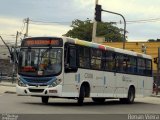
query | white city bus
[68, 68]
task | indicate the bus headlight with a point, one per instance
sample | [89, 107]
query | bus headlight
[20, 83]
[57, 82]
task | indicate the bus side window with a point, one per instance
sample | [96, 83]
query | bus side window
[70, 58]
[84, 57]
[141, 66]
[131, 65]
[110, 61]
[148, 71]
[96, 58]
[119, 62]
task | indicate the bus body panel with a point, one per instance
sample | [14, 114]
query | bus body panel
[110, 84]
[25, 91]
[70, 85]
[106, 85]
[119, 92]
[140, 87]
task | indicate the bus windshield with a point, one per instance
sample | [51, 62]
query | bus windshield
[40, 62]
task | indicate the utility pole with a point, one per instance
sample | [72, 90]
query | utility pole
[158, 71]
[14, 58]
[6, 45]
[97, 17]
[156, 81]
[124, 35]
[16, 39]
[27, 22]
[94, 26]
[11, 54]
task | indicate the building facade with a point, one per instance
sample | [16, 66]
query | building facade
[5, 64]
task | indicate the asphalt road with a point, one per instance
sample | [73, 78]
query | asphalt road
[11, 103]
[13, 107]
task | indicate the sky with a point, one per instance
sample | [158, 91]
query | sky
[59, 14]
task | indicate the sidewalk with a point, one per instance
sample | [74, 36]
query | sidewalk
[154, 95]
[7, 87]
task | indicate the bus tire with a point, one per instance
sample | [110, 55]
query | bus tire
[98, 100]
[123, 100]
[81, 96]
[131, 95]
[45, 99]
[130, 98]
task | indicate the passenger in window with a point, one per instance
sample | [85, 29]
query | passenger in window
[119, 64]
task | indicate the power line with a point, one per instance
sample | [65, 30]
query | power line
[139, 21]
[38, 22]
[11, 35]
[145, 20]
[45, 22]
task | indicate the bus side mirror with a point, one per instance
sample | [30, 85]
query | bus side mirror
[12, 56]
[20, 58]
[71, 64]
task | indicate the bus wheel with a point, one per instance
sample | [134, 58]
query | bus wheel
[131, 95]
[45, 99]
[123, 100]
[81, 96]
[98, 100]
[130, 98]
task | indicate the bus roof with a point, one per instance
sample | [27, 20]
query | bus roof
[105, 47]
[99, 46]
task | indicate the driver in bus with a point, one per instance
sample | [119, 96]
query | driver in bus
[43, 65]
[53, 67]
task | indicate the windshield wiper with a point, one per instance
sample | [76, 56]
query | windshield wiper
[43, 54]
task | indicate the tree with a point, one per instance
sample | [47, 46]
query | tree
[151, 40]
[83, 30]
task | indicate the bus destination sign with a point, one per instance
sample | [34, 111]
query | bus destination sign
[39, 42]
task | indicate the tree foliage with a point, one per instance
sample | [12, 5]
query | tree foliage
[83, 30]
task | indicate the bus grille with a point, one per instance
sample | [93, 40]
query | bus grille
[36, 90]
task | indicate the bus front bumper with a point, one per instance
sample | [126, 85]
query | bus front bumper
[39, 91]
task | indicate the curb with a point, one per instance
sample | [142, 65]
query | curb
[10, 92]
[7, 87]
[6, 84]
[155, 95]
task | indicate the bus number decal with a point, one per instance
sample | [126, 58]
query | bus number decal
[88, 75]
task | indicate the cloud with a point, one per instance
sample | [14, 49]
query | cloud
[131, 6]
[12, 13]
[48, 30]
[9, 27]
[143, 31]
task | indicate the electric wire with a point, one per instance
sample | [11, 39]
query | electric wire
[38, 22]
